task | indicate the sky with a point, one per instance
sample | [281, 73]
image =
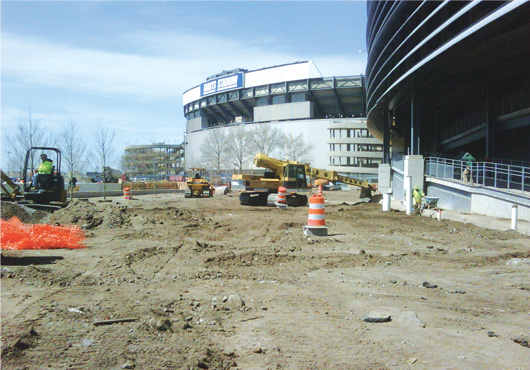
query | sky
[124, 65]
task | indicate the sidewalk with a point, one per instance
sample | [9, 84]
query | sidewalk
[488, 222]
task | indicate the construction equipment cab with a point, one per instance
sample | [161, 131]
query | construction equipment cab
[44, 183]
[197, 186]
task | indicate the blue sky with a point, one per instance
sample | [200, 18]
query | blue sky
[126, 64]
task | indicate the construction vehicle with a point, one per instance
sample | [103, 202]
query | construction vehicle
[197, 186]
[10, 190]
[44, 191]
[294, 177]
[109, 175]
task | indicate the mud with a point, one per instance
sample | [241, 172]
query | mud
[210, 284]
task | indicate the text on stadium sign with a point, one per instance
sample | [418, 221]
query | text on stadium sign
[222, 84]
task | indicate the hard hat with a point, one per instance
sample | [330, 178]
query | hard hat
[416, 187]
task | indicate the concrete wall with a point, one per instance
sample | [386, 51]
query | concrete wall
[498, 207]
[477, 199]
[98, 187]
[450, 197]
[196, 124]
[279, 112]
[398, 185]
[314, 133]
[455, 195]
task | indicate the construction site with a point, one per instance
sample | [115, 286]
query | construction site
[392, 231]
[168, 282]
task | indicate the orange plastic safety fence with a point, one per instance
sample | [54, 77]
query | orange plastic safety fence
[16, 235]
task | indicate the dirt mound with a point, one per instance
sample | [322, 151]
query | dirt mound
[89, 215]
[25, 214]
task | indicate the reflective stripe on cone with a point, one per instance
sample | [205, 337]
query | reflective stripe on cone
[282, 197]
[317, 213]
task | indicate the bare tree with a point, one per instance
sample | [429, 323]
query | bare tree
[296, 149]
[238, 148]
[145, 163]
[29, 133]
[190, 161]
[214, 150]
[266, 139]
[129, 163]
[73, 148]
[103, 150]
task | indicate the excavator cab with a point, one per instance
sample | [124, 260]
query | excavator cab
[294, 176]
[44, 188]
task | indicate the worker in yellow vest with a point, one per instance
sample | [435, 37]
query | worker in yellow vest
[44, 171]
[45, 168]
[418, 196]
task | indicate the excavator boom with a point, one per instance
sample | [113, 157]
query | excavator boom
[334, 176]
[275, 165]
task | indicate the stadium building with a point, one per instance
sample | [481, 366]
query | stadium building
[450, 77]
[445, 78]
[329, 112]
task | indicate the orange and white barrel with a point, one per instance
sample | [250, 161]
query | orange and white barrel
[127, 193]
[320, 190]
[317, 212]
[281, 202]
[316, 218]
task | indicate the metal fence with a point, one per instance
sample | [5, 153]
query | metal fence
[497, 175]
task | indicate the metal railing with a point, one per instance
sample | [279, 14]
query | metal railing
[497, 175]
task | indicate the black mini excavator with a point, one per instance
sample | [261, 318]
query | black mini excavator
[43, 191]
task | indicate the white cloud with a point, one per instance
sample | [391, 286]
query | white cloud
[178, 62]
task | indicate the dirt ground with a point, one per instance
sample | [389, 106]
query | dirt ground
[210, 284]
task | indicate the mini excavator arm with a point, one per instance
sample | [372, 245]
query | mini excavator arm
[13, 191]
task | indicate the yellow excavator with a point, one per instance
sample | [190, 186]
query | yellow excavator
[294, 177]
[197, 186]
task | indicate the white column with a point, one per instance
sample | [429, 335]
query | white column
[408, 192]
[514, 217]
[386, 202]
[385, 184]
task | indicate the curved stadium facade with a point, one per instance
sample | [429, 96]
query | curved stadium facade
[330, 112]
[450, 77]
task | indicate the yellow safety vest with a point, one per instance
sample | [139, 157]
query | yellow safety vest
[45, 168]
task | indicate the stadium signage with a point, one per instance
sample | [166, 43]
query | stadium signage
[222, 84]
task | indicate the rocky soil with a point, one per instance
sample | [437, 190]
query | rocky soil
[172, 283]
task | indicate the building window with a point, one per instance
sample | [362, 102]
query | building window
[280, 99]
[299, 97]
[261, 102]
